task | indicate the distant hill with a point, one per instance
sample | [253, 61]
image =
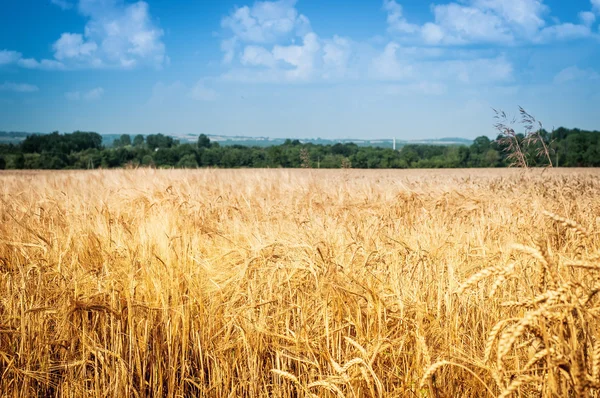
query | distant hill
[13, 137]
[267, 141]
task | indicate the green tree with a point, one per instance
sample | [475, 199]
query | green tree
[159, 141]
[332, 161]
[165, 157]
[203, 141]
[409, 155]
[480, 145]
[2, 163]
[125, 140]
[19, 161]
[188, 162]
[492, 158]
[147, 161]
[138, 140]
[211, 156]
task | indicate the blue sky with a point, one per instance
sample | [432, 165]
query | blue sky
[305, 68]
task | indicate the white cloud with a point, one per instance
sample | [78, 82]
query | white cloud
[460, 24]
[587, 18]
[565, 31]
[387, 66]
[228, 47]
[72, 45]
[44, 64]
[432, 33]
[18, 87]
[257, 56]
[395, 19]
[301, 58]
[117, 34]
[202, 93]
[124, 33]
[273, 42]
[573, 73]
[336, 57]
[504, 22]
[13, 57]
[266, 21]
[397, 63]
[596, 6]
[409, 58]
[523, 15]
[64, 4]
[263, 23]
[291, 63]
[9, 57]
[92, 95]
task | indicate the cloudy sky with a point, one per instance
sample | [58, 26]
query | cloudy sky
[305, 68]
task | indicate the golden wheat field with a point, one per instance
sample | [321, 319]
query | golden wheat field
[300, 283]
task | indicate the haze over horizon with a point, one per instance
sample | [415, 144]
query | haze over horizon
[306, 69]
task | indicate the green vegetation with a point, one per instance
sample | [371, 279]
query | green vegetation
[82, 150]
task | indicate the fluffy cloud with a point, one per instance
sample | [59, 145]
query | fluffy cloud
[9, 57]
[396, 63]
[228, 47]
[523, 15]
[125, 34]
[596, 6]
[395, 19]
[266, 21]
[459, 24]
[432, 33]
[16, 58]
[573, 73]
[565, 31]
[44, 64]
[425, 59]
[336, 57]
[387, 66]
[92, 95]
[257, 56]
[313, 59]
[263, 23]
[271, 41]
[18, 87]
[72, 45]
[117, 34]
[506, 22]
[300, 58]
[318, 59]
[587, 18]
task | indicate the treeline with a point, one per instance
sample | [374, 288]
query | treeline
[84, 150]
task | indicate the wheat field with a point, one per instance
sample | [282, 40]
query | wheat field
[300, 283]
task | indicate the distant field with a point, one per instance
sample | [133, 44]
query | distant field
[300, 283]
